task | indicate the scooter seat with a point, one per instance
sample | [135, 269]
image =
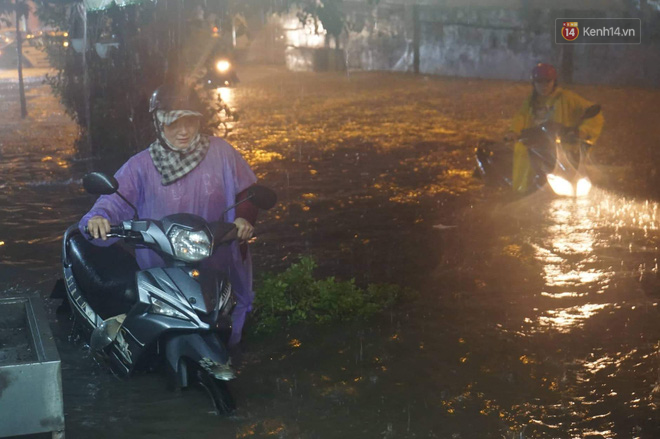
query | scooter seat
[105, 275]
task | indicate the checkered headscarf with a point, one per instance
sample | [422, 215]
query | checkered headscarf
[173, 163]
[167, 117]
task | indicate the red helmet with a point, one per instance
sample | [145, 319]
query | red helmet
[545, 72]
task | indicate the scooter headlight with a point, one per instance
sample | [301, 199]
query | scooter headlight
[160, 307]
[583, 187]
[190, 245]
[560, 185]
[222, 66]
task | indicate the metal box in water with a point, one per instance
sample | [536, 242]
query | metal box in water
[30, 370]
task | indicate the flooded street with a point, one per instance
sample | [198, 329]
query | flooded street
[534, 318]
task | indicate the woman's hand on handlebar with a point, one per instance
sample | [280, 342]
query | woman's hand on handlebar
[98, 226]
[245, 230]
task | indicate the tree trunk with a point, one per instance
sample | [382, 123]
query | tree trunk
[566, 72]
[19, 52]
[416, 38]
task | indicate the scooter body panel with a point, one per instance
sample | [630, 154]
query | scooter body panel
[175, 315]
[142, 328]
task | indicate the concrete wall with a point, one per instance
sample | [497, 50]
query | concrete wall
[605, 5]
[499, 42]
[491, 39]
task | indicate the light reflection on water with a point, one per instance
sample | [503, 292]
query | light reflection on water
[587, 249]
[565, 319]
[573, 252]
[226, 94]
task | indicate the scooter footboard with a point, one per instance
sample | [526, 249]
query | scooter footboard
[197, 347]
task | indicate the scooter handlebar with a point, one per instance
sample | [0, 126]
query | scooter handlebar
[224, 232]
[114, 230]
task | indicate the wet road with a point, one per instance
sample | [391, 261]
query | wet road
[536, 318]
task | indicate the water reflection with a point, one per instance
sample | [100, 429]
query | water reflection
[591, 254]
[565, 319]
[581, 248]
[226, 94]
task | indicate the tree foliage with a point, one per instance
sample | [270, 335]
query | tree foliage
[145, 43]
[8, 8]
[329, 13]
[130, 52]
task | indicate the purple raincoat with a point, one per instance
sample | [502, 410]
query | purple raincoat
[206, 191]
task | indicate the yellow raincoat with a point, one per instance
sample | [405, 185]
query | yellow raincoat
[564, 107]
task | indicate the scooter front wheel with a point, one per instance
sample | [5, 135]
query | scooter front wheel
[218, 391]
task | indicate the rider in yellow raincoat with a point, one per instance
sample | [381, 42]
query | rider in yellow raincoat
[548, 102]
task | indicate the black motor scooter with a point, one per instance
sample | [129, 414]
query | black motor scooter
[550, 162]
[178, 315]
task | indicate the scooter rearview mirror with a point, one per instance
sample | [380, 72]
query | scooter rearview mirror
[98, 183]
[262, 197]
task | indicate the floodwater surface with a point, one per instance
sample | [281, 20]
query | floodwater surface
[534, 318]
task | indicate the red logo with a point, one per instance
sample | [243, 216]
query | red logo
[570, 30]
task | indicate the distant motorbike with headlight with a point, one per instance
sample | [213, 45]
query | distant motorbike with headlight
[177, 315]
[221, 72]
[552, 162]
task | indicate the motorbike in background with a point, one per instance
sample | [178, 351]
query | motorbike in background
[219, 79]
[220, 72]
[551, 162]
[177, 315]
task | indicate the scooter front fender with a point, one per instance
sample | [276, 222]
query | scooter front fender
[195, 347]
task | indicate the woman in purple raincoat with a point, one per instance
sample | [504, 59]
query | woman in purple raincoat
[184, 171]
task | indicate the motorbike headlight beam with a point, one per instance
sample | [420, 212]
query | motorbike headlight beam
[565, 188]
[223, 65]
[583, 187]
[560, 186]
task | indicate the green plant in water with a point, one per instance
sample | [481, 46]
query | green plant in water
[296, 296]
